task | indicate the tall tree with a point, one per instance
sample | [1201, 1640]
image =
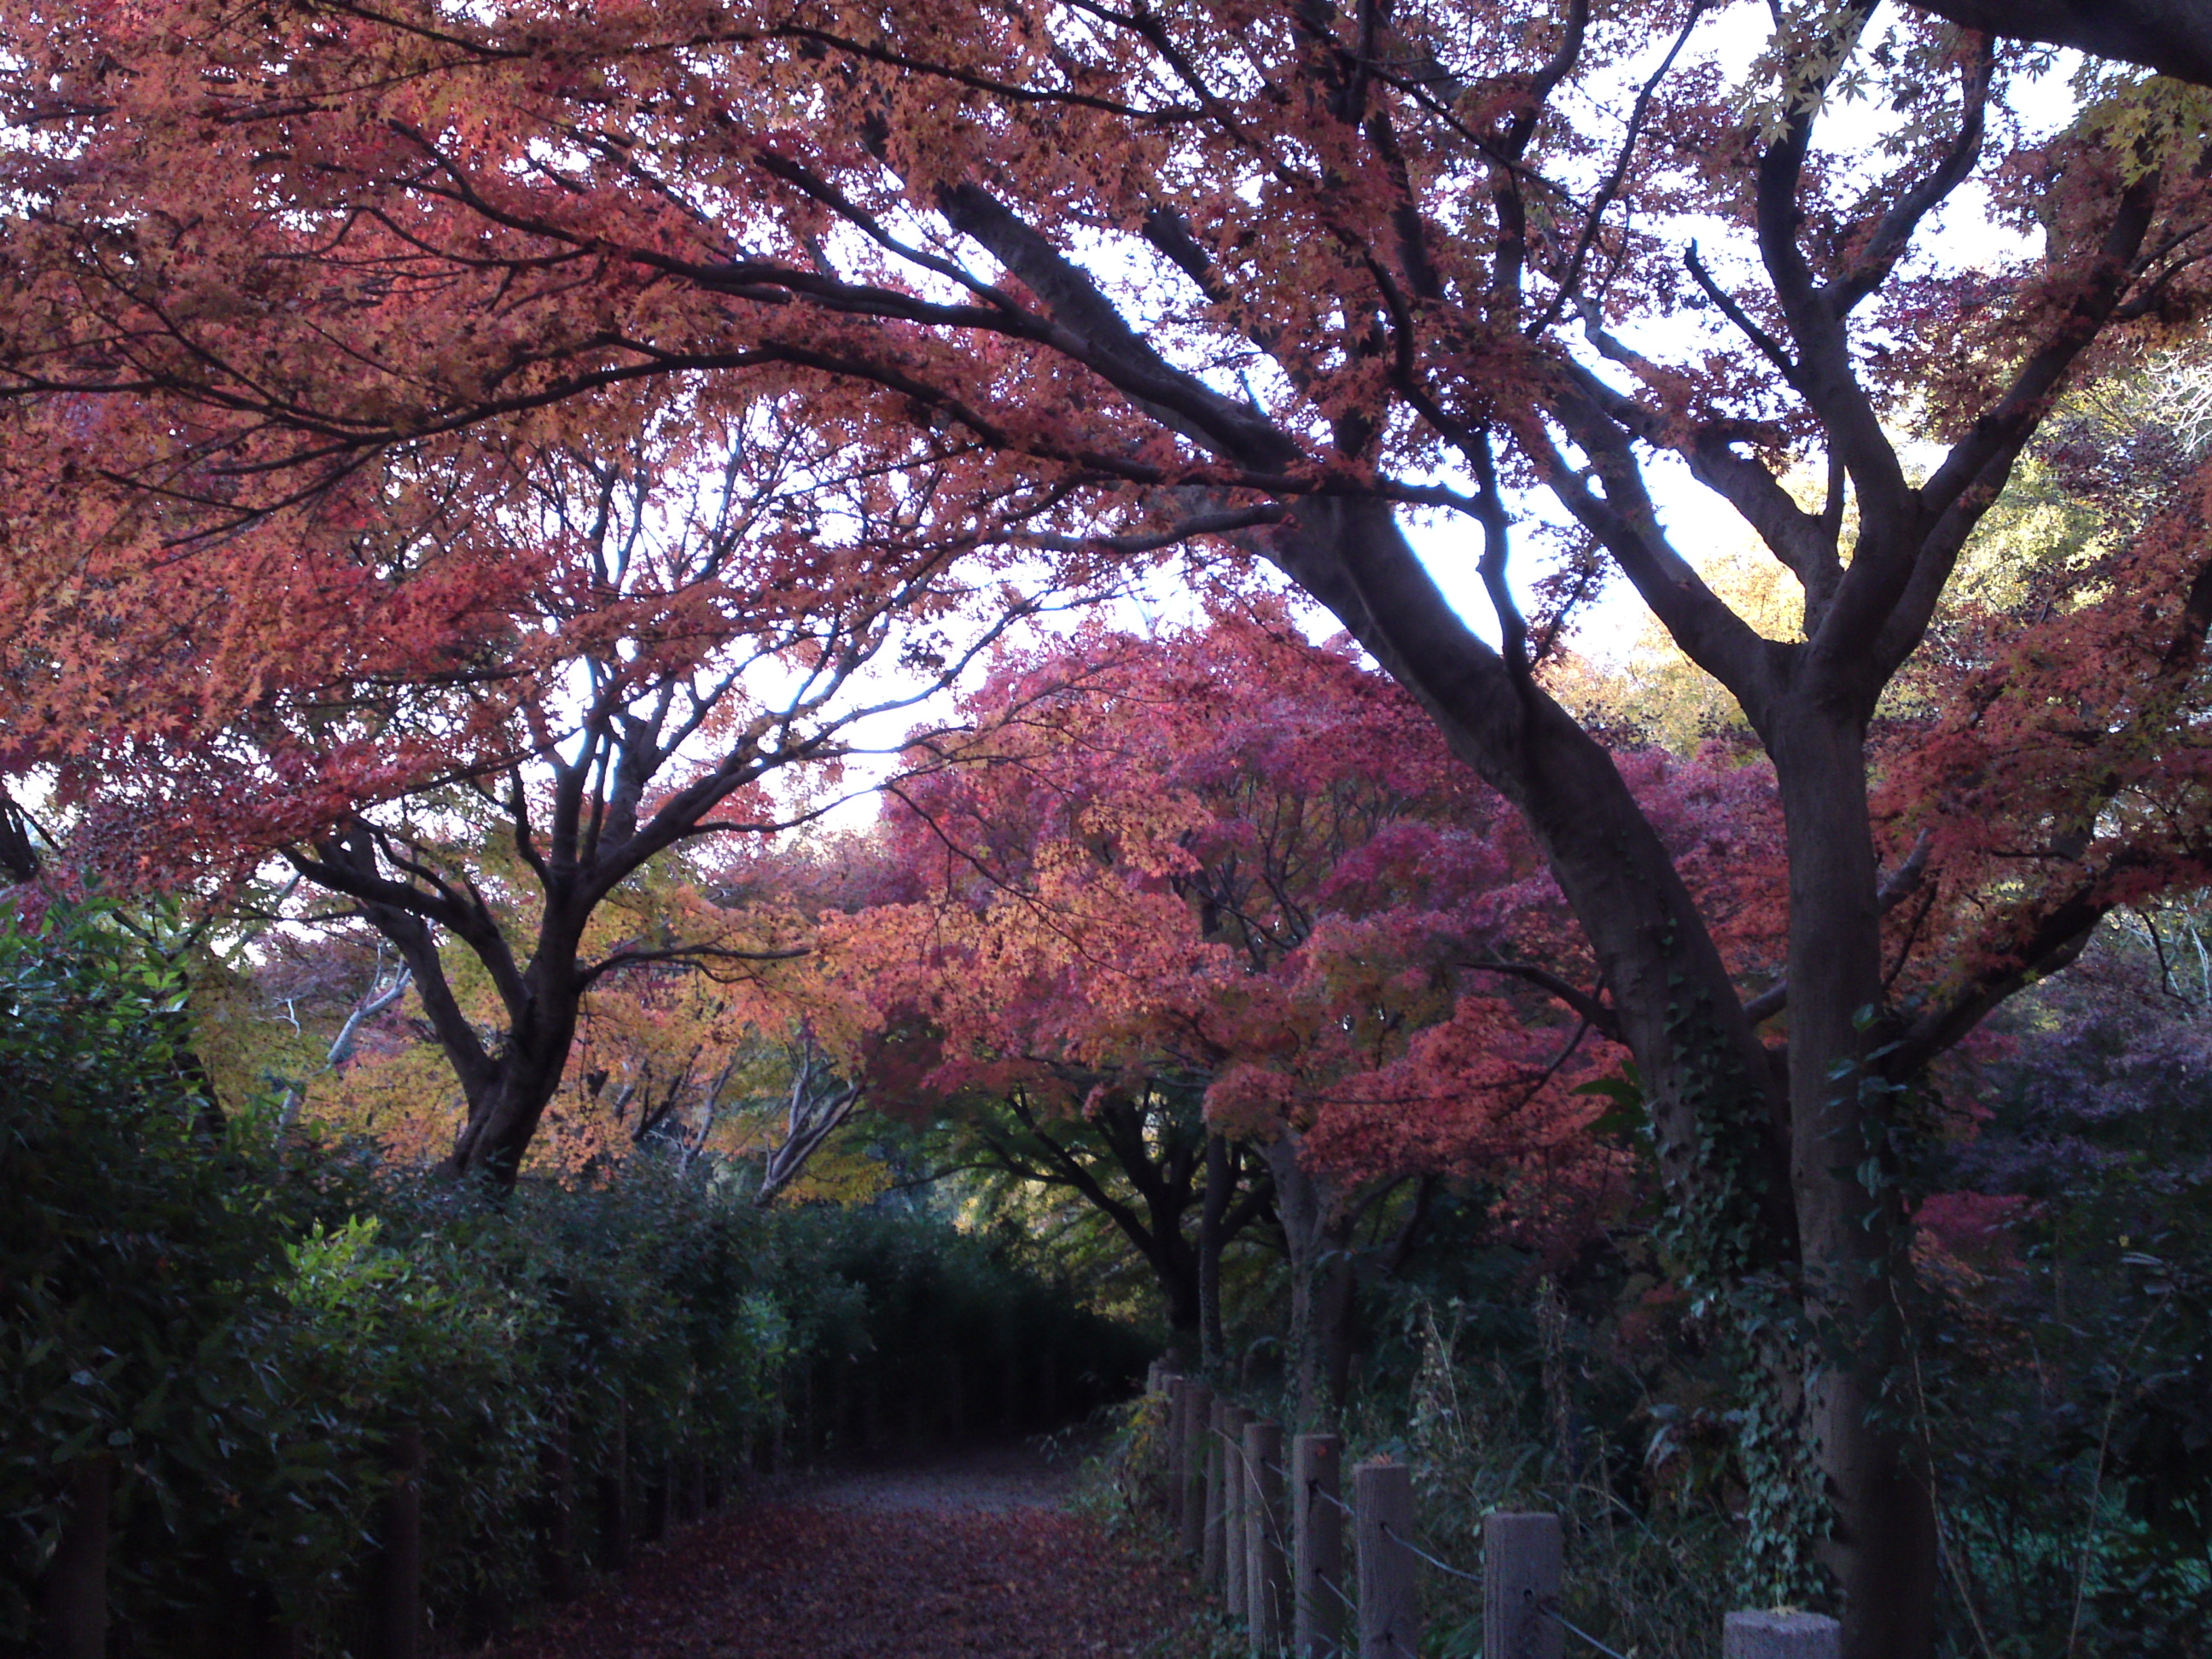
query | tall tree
[1281, 270]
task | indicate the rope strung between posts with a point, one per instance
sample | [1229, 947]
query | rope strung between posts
[1557, 1617]
[1441, 1566]
[1573, 1629]
[1313, 1490]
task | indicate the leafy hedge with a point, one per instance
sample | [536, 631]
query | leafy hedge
[238, 1332]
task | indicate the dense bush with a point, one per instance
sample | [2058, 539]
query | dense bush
[143, 1315]
[237, 1330]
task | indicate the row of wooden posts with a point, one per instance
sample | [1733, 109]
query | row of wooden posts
[632, 1507]
[622, 1506]
[1267, 1533]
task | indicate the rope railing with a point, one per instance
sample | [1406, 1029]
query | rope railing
[1342, 1507]
[1545, 1610]
[1441, 1566]
[1573, 1629]
[1282, 1557]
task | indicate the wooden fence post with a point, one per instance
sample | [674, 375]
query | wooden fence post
[1212, 1560]
[1163, 1449]
[1383, 1525]
[1317, 1596]
[952, 1404]
[1232, 1507]
[691, 1491]
[1266, 1572]
[875, 1432]
[801, 1447]
[614, 1501]
[1522, 1558]
[1176, 1454]
[1781, 1636]
[398, 1578]
[1010, 1391]
[73, 1591]
[1190, 1519]
[653, 1528]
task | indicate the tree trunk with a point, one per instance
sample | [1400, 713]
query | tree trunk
[1719, 1113]
[1738, 1149]
[504, 1115]
[1303, 1206]
[1851, 1225]
[1175, 1266]
[1214, 1209]
[1334, 1306]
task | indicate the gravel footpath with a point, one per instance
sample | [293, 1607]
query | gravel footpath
[966, 1554]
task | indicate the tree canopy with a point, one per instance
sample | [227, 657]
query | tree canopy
[1294, 276]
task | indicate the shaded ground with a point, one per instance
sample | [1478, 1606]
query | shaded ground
[972, 1554]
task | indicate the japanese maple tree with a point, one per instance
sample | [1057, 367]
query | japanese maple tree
[680, 619]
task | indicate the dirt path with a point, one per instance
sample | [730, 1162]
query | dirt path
[968, 1555]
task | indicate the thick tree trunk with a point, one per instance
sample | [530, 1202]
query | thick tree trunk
[510, 1097]
[1882, 1552]
[504, 1113]
[1708, 1087]
[1738, 1149]
[1174, 1267]
[1334, 1305]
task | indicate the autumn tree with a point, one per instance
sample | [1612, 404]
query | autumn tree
[1220, 897]
[687, 621]
[1292, 272]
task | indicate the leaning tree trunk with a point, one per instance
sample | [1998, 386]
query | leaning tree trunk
[508, 1103]
[1850, 1220]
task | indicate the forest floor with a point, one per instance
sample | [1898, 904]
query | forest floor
[971, 1553]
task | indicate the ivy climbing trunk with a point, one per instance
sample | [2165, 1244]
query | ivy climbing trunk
[1851, 1225]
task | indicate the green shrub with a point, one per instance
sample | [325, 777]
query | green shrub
[142, 1314]
[239, 1333]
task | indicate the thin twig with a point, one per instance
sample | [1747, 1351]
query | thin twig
[2097, 1480]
